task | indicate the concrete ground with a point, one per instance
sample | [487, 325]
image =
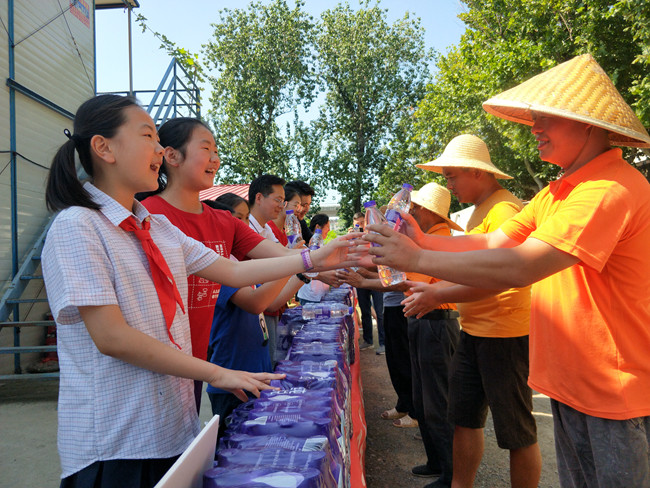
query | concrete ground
[28, 455]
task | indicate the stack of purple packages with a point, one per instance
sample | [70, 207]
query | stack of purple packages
[241, 476]
[299, 435]
[289, 324]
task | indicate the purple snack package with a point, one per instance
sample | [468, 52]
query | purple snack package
[278, 459]
[243, 477]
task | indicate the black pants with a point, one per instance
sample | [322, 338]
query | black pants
[222, 405]
[432, 344]
[398, 358]
[120, 473]
[377, 297]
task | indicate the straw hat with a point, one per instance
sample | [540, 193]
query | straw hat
[437, 199]
[579, 90]
[465, 151]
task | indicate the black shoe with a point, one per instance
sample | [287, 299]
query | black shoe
[424, 471]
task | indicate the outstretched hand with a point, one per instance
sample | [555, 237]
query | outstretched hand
[350, 277]
[392, 249]
[410, 228]
[339, 253]
[237, 382]
[423, 300]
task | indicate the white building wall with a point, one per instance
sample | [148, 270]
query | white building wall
[54, 58]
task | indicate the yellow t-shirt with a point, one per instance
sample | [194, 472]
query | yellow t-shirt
[506, 314]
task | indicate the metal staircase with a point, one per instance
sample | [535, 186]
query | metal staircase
[176, 95]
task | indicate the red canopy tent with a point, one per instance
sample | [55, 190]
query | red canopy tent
[217, 190]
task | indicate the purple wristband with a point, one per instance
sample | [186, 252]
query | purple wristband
[306, 259]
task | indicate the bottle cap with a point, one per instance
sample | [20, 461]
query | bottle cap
[288, 212]
[407, 186]
[318, 231]
[371, 203]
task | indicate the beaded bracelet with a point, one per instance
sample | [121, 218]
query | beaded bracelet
[306, 259]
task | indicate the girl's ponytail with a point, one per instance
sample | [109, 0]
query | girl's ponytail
[101, 115]
[63, 186]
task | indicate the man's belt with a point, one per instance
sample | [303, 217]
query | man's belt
[441, 314]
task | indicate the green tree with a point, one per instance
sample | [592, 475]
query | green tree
[373, 73]
[262, 65]
[507, 42]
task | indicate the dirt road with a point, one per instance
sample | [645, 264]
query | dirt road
[391, 452]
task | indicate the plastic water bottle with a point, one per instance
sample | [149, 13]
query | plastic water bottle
[316, 242]
[388, 276]
[400, 203]
[325, 309]
[292, 228]
[357, 228]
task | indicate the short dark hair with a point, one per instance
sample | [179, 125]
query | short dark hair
[358, 215]
[318, 219]
[230, 199]
[263, 184]
[290, 192]
[218, 205]
[302, 188]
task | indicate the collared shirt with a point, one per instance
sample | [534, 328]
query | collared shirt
[589, 333]
[109, 409]
[263, 230]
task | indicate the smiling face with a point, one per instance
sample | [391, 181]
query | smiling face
[201, 161]
[136, 152]
[559, 140]
[305, 201]
[294, 203]
[270, 206]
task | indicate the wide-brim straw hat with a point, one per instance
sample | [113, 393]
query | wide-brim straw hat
[579, 90]
[436, 199]
[465, 151]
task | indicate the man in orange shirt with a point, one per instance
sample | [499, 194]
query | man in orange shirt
[583, 243]
[490, 366]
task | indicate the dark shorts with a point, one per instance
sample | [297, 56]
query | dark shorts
[120, 473]
[493, 372]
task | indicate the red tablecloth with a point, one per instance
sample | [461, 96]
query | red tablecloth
[358, 441]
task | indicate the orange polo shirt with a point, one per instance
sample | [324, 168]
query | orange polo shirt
[508, 313]
[441, 229]
[590, 323]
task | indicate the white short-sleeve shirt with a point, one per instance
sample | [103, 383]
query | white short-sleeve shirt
[109, 409]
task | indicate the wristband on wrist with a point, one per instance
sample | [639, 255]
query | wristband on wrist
[303, 278]
[306, 259]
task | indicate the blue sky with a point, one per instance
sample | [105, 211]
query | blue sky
[188, 25]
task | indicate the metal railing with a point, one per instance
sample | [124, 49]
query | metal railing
[177, 95]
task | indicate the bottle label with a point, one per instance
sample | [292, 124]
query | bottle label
[292, 238]
[394, 218]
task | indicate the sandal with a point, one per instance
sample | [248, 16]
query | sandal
[392, 414]
[405, 422]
